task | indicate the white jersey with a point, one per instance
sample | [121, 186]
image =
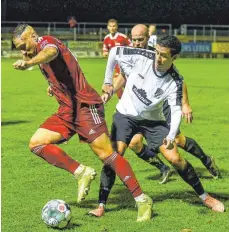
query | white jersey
[152, 41]
[145, 89]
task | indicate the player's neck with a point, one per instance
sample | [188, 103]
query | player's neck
[113, 34]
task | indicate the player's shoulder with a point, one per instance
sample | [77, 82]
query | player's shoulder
[107, 36]
[175, 74]
[45, 40]
[139, 53]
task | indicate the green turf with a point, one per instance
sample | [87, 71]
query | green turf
[28, 182]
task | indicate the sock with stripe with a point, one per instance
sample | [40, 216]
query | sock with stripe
[189, 175]
[124, 172]
[56, 156]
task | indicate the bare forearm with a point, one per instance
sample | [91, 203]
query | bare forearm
[118, 82]
[44, 56]
[185, 99]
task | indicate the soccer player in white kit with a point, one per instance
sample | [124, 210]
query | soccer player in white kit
[152, 79]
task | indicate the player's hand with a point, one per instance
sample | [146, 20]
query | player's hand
[168, 143]
[105, 54]
[105, 98]
[21, 65]
[49, 91]
[187, 113]
[109, 89]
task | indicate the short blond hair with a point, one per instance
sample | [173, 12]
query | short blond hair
[112, 21]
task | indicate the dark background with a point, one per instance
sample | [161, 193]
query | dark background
[125, 11]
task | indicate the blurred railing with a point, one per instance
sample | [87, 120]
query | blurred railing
[83, 31]
[86, 38]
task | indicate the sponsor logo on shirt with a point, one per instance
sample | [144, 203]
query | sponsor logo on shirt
[141, 95]
[158, 93]
[43, 43]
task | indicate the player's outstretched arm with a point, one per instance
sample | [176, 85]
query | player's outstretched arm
[186, 108]
[45, 56]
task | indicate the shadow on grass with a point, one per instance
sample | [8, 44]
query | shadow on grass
[8, 123]
[202, 173]
[122, 199]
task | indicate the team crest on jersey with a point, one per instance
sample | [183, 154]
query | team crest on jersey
[158, 93]
[43, 43]
[141, 95]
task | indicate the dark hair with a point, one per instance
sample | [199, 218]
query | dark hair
[171, 42]
[19, 30]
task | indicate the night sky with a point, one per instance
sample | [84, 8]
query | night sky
[125, 11]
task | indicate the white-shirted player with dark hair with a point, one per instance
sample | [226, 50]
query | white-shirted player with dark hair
[151, 79]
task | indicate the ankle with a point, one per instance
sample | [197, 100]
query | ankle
[102, 205]
[79, 170]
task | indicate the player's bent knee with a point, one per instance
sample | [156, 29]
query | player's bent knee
[135, 146]
[180, 140]
[35, 142]
[177, 162]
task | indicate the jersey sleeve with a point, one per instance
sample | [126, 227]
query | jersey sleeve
[47, 41]
[175, 95]
[125, 57]
[128, 42]
[105, 45]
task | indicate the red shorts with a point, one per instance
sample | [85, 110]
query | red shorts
[89, 123]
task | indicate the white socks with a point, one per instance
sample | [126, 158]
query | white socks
[79, 170]
[203, 196]
[140, 198]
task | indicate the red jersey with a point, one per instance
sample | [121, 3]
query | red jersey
[118, 39]
[65, 75]
[66, 79]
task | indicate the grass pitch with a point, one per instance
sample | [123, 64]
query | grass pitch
[28, 182]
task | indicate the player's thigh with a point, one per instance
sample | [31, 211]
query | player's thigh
[53, 130]
[44, 136]
[102, 147]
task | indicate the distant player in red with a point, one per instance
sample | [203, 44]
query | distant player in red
[115, 38]
[80, 111]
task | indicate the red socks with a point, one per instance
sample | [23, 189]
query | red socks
[125, 173]
[56, 156]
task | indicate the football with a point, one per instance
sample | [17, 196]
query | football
[56, 214]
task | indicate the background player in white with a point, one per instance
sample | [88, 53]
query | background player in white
[152, 79]
[152, 36]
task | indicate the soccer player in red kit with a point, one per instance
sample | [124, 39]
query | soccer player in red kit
[115, 38]
[80, 111]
